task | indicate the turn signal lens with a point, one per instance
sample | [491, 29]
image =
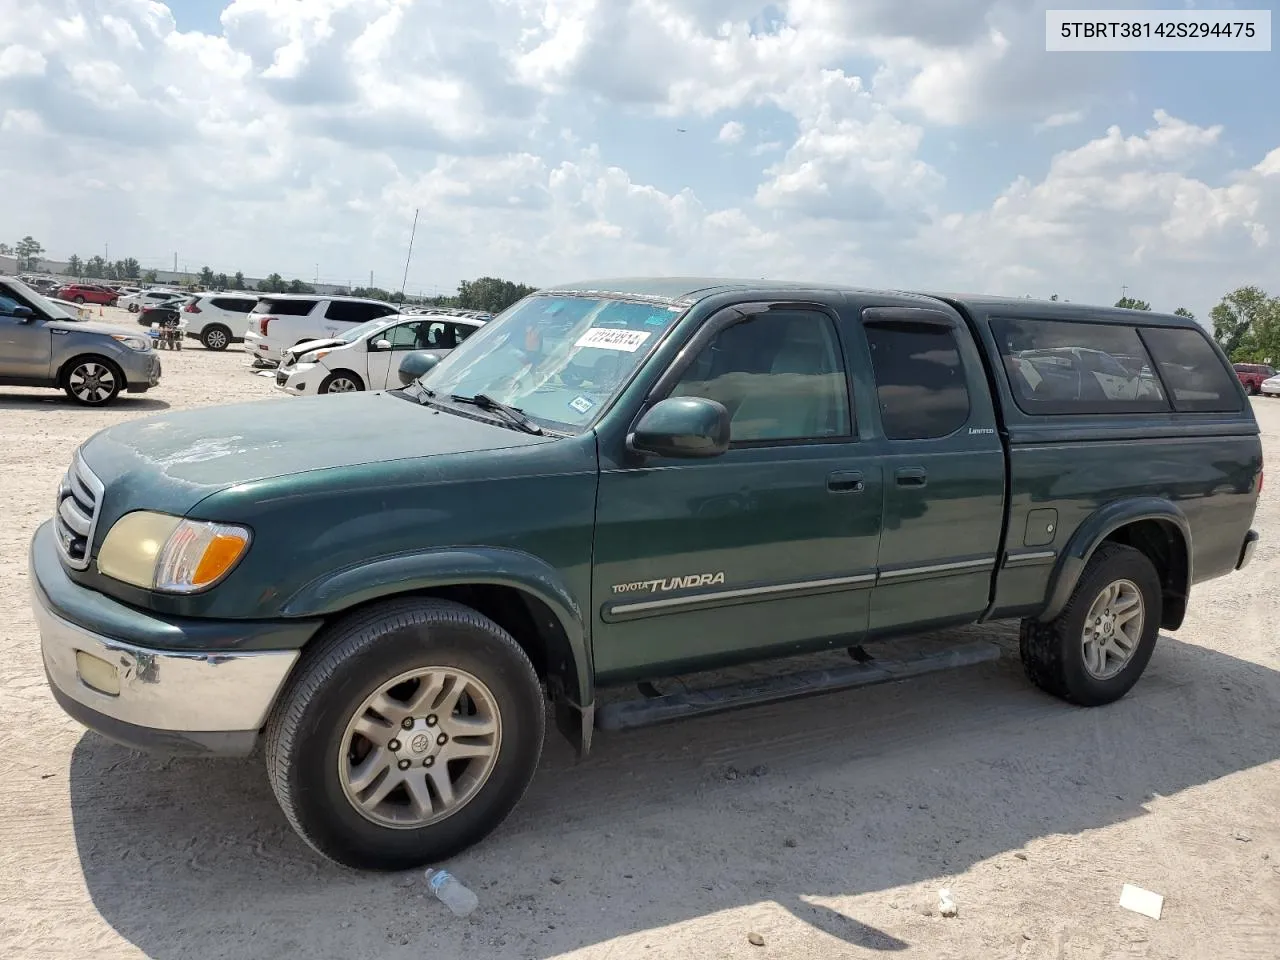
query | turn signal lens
[198, 555]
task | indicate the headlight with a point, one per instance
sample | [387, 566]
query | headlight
[133, 343]
[316, 357]
[169, 554]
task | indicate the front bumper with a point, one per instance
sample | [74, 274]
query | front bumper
[142, 372]
[174, 700]
[299, 380]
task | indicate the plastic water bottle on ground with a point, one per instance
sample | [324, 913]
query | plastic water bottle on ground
[450, 891]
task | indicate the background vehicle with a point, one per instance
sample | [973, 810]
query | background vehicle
[285, 320]
[367, 357]
[147, 298]
[88, 293]
[627, 480]
[218, 319]
[1252, 375]
[43, 346]
[1270, 387]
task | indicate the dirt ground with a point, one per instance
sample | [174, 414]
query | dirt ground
[825, 826]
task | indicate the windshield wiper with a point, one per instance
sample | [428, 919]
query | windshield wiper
[514, 414]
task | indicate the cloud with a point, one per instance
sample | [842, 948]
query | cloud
[732, 132]
[529, 135]
[1055, 120]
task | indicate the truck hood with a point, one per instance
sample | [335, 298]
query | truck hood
[172, 461]
[88, 326]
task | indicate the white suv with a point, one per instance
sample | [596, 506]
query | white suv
[368, 357]
[282, 320]
[134, 302]
[215, 318]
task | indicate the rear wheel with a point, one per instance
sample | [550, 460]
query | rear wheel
[1096, 649]
[1252, 389]
[408, 736]
[215, 337]
[341, 381]
[79, 299]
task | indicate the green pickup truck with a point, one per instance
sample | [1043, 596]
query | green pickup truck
[625, 480]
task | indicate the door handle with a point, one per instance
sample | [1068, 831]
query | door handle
[911, 476]
[845, 481]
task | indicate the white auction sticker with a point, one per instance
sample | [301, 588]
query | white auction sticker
[604, 338]
[1158, 31]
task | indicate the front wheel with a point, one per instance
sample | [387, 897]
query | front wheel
[408, 736]
[1096, 649]
[341, 381]
[92, 381]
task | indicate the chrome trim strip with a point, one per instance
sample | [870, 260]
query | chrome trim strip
[83, 482]
[797, 586]
[1029, 559]
[71, 515]
[953, 566]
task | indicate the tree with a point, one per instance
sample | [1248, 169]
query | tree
[237, 282]
[6, 250]
[206, 277]
[220, 282]
[149, 277]
[1184, 312]
[1246, 324]
[1129, 303]
[371, 293]
[491, 294]
[273, 284]
[74, 266]
[95, 268]
[28, 252]
[297, 286]
[1053, 296]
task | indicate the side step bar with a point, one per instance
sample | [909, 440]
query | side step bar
[650, 710]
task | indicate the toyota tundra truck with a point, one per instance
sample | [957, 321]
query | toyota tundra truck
[625, 480]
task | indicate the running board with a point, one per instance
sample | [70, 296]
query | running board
[650, 710]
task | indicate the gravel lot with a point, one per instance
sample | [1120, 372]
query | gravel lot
[826, 827]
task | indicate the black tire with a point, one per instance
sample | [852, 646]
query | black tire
[1251, 389]
[215, 337]
[80, 299]
[73, 373]
[304, 735]
[339, 376]
[1053, 652]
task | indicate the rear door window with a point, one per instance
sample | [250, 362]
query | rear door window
[1077, 367]
[1197, 379]
[347, 311]
[284, 308]
[920, 380]
[233, 304]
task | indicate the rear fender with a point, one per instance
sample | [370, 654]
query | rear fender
[1100, 525]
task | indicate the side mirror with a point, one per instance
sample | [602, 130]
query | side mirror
[415, 364]
[383, 344]
[685, 427]
[25, 314]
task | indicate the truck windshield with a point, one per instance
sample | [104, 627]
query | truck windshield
[559, 358]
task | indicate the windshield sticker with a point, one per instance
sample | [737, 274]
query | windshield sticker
[581, 404]
[604, 338]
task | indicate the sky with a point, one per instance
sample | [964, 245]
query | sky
[925, 145]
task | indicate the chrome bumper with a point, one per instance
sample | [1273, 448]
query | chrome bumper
[212, 702]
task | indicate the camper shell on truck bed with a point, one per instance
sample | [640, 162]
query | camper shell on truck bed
[622, 480]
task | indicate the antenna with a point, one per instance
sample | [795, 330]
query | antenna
[413, 233]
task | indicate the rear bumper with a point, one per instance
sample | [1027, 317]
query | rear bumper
[258, 348]
[1247, 549]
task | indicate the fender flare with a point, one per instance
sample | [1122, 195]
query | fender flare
[1093, 531]
[569, 660]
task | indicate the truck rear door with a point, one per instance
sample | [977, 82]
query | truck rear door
[943, 464]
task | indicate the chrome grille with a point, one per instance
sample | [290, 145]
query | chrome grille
[76, 514]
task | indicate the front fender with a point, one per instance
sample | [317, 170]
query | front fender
[1090, 534]
[461, 566]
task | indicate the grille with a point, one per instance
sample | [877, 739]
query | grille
[76, 514]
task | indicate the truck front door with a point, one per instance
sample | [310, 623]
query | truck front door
[769, 548]
[944, 468]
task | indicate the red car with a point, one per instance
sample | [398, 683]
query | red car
[88, 293]
[1251, 376]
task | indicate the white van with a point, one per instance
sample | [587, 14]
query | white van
[283, 320]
